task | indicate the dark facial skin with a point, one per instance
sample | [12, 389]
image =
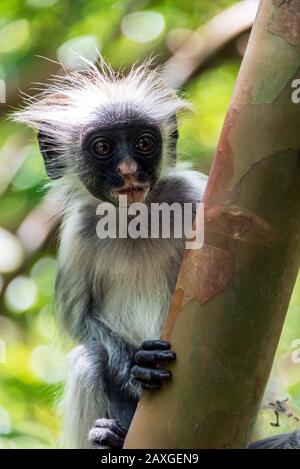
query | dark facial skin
[122, 159]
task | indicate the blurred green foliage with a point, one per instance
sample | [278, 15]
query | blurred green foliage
[30, 377]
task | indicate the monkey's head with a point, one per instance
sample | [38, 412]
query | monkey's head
[114, 134]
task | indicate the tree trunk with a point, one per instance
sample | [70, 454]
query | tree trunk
[232, 294]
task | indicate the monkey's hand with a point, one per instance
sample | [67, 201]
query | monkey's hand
[107, 434]
[145, 370]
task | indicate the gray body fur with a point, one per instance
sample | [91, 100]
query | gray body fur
[112, 295]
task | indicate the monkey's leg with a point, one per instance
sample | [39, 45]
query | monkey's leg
[284, 441]
[110, 433]
[145, 370]
[107, 434]
[84, 400]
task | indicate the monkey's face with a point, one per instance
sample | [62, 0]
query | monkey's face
[113, 133]
[122, 159]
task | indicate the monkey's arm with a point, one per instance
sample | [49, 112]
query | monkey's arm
[97, 405]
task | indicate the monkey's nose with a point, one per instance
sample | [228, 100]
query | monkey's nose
[127, 167]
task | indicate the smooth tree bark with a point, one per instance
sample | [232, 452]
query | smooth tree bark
[232, 294]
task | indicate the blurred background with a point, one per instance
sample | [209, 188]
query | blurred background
[202, 43]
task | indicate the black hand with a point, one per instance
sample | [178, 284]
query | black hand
[146, 360]
[107, 434]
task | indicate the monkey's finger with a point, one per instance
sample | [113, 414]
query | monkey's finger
[104, 437]
[104, 423]
[151, 386]
[112, 425]
[154, 356]
[155, 345]
[147, 385]
[119, 430]
[141, 373]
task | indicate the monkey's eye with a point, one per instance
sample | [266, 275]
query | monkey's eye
[145, 144]
[102, 147]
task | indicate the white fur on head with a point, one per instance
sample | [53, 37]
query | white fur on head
[73, 98]
[72, 102]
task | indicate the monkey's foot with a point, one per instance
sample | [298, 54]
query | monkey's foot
[145, 369]
[107, 434]
[284, 441]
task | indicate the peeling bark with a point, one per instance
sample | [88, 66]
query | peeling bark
[285, 21]
[232, 294]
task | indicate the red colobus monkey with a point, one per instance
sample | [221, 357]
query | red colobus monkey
[102, 135]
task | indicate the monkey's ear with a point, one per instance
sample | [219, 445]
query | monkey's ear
[41, 116]
[52, 159]
[173, 137]
[48, 146]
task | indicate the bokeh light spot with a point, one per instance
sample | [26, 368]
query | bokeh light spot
[14, 35]
[9, 330]
[11, 252]
[46, 323]
[21, 294]
[5, 422]
[48, 363]
[43, 273]
[2, 91]
[143, 26]
[71, 52]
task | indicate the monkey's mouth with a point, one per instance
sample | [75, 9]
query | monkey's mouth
[134, 192]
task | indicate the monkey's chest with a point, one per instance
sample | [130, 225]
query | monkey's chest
[137, 288]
